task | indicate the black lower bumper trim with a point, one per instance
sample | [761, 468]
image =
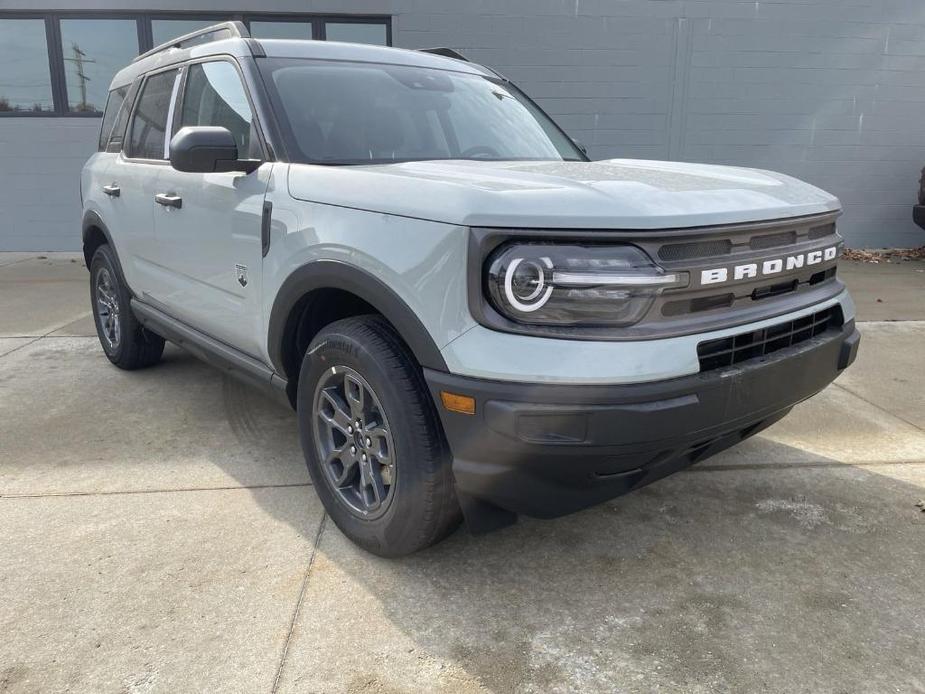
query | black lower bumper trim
[545, 450]
[918, 215]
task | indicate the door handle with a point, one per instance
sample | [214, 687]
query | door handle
[168, 200]
[112, 191]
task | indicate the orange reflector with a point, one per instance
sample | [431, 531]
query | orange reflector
[458, 403]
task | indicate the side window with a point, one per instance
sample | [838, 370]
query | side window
[150, 122]
[114, 105]
[117, 132]
[215, 96]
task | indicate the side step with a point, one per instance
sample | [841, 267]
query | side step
[212, 351]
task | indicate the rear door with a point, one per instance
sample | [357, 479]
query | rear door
[208, 235]
[133, 176]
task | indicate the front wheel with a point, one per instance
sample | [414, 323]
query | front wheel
[126, 343]
[372, 439]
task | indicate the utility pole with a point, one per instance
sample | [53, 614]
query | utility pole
[79, 59]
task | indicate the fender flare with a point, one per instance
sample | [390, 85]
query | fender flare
[90, 220]
[334, 274]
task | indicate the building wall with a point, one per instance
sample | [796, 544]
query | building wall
[831, 91]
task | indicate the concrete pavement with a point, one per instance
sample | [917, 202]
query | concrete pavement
[159, 533]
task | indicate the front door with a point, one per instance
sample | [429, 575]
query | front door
[207, 226]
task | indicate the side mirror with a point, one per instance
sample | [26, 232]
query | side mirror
[207, 149]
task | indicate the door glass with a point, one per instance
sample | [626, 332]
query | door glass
[281, 30]
[25, 83]
[356, 32]
[149, 124]
[215, 96]
[94, 50]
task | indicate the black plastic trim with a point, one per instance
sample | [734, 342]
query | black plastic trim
[215, 352]
[332, 274]
[549, 449]
[266, 219]
[90, 220]
[918, 215]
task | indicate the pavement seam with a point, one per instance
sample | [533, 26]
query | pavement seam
[879, 407]
[16, 262]
[298, 606]
[153, 491]
[807, 464]
[55, 328]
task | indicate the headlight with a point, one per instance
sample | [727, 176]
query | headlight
[552, 284]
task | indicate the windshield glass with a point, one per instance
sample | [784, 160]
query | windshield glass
[362, 113]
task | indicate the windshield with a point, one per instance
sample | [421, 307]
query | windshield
[363, 113]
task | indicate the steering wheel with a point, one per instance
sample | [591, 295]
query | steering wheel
[480, 151]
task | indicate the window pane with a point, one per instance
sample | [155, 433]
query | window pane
[215, 96]
[25, 82]
[281, 30]
[94, 50]
[162, 30]
[150, 122]
[113, 106]
[117, 132]
[385, 113]
[354, 32]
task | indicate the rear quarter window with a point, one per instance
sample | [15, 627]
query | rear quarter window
[115, 116]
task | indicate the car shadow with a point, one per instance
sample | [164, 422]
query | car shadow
[766, 567]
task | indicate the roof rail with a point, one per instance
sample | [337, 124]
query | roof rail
[216, 32]
[445, 52]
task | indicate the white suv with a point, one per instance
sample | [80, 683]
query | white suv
[470, 317]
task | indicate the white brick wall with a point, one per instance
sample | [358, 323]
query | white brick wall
[831, 91]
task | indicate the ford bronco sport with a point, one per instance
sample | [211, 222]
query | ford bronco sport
[471, 319]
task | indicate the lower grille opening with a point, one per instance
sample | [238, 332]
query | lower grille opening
[823, 276]
[775, 290]
[727, 351]
[703, 303]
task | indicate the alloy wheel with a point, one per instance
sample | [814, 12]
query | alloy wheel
[107, 309]
[354, 441]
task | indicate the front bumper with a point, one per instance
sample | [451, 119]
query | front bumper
[546, 450]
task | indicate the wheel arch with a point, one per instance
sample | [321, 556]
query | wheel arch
[95, 233]
[315, 278]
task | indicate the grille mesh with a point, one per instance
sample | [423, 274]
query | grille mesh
[695, 249]
[821, 231]
[727, 351]
[787, 238]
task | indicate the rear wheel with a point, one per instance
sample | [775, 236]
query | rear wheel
[372, 439]
[126, 343]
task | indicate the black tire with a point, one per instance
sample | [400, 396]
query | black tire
[126, 343]
[421, 506]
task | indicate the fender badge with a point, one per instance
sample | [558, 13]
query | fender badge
[241, 272]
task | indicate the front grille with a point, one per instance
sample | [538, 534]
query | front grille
[760, 243]
[694, 250]
[821, 232]
[727, 351]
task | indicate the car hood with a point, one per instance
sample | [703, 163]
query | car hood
[611, 194]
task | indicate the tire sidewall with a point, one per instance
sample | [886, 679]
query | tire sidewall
[407, 512]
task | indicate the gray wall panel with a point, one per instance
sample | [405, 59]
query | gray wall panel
[831, 91]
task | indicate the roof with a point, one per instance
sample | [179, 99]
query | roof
[241, 45]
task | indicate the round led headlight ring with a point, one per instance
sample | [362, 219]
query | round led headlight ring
[526, 286]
